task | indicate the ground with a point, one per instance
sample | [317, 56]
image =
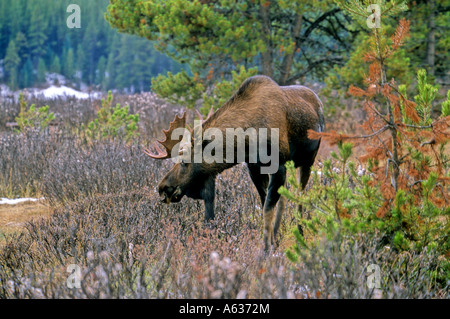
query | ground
[14, 217]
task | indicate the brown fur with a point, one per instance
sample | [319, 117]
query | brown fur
[259, 103]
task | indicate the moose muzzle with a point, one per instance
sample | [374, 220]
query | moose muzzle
[170, 194]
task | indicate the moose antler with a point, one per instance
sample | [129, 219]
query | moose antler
[167, 143]
[202, 120]
[211, 112]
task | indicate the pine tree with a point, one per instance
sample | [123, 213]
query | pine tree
[27, 74]
[286, 40]
[37, 34]
[80, 64]
[15, 11]
[55, 67]
[403, 195]
[405, 147]
[124, 75]
[41, 71]
[22, 46]
[69, 65]
[142, 67]
[91, 46]
[101, 69]
[12, 63]
[109, 82]
[4, 30]
[39, 30]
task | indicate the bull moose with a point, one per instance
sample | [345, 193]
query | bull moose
[259, 103]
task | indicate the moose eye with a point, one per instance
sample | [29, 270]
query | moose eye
[182, 163]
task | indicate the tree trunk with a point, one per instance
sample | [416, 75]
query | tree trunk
[289, 58]
[266, 57]
[431, 41]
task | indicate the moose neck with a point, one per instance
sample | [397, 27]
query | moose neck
[210, 170]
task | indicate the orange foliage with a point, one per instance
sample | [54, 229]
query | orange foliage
[390, 137]
[210, 74]
[401, 32]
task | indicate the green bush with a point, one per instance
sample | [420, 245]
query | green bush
[343, 202]
[32, 117]
[112, 122]
[341, 199]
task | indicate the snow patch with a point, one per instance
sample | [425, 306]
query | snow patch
[16, 201]
[57, 86]
[62, 91]
[4, 90]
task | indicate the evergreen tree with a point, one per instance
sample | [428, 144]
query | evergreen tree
[430, 39]
[37, 34]
[41, 71]
[90, 46]
[100, 76]
[22, 46]
[110, 73]
[142, 73]
[15, 13]
[80, 58]
[286, 40]
[26, 74]
[40, 33]
[12, 63]
[56, 65]
[4, 32]
[69, 65]
[124, 75]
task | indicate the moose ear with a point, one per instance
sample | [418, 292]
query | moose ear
[181, 161]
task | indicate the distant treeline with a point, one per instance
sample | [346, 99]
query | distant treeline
[35, 40]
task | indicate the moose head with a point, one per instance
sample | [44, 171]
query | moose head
[185, 177]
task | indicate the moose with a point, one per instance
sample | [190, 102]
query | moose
[258, 103]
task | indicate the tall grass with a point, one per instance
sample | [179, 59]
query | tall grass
[131, 246]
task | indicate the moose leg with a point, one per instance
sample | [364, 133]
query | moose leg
[276, 181]
[280, 209]
[305, 172]
[261, 181]
[208, 193]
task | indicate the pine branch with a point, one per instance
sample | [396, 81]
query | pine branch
[421, 127]
[382, 143]
[378, 113]
[313, 65]
[381, 130]
[317, 22]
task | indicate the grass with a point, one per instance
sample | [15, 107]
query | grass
[13, 218]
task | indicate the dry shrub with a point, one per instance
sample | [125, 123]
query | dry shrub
[24, 159]
[131, 246]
